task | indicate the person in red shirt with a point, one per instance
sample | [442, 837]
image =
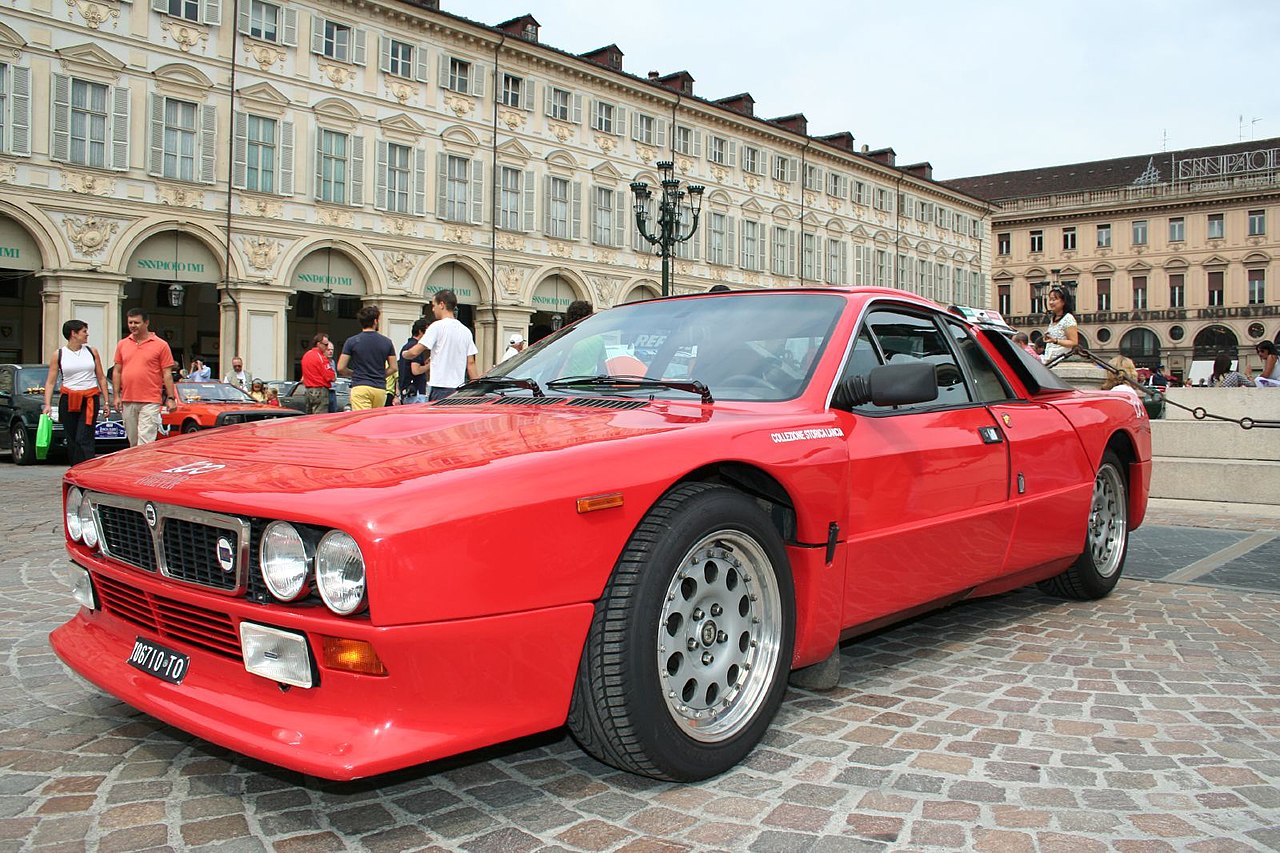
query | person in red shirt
[143, 368]
[317, 374]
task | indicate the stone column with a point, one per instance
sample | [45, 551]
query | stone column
[496, 325]
[254, 326]
[398, 314]
[88, 295]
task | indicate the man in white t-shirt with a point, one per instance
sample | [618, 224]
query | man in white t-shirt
[453, 350]
[515, 346]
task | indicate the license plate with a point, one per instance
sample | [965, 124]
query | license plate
[109, 429]
[155, 659]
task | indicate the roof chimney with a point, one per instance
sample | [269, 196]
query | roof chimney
[920, 170]
[796, 123]
[842, 140]
[610, 56]
[883, 155]
[680, 81]
[742, 103]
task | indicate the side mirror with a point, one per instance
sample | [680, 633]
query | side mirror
[890, 385]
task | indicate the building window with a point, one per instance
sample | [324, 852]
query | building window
[1215, 280]
[884, 275]
[784, 251]
[513, 91]
[1037, 301]
[1140, 293]
[399, 59]
[509, 197]
[837, 261]
[1140, 232]
[860, 193]
[560, 104]
[721, 151]
[457, 195]
[753, 160]
[1177, 230]
[333, 167]
[1177, 291]
[337, 41]
[1216, 226]
[459, 76]
[396, 175]
[260, 155]
[1004, 299]
[558, 207]
[1068, 239]
[752, 245]
[837, 185]
[785, 168]
[188, 9]
[179, 161]
[1257, 287]
[812, 177]
[1104, 236]
[883, 200]
[1104, 294]
[1257, 223]
[810, 257]
[644, 128]
[719, 239]
[603, 117]
[88, 124]
[1003, 243]
[606, 217]
[264, 20]
[1037, 242]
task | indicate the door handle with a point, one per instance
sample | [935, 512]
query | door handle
[990, 435]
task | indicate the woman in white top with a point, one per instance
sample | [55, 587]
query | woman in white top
[83, 390]
[1270, 375]
[1061, 337]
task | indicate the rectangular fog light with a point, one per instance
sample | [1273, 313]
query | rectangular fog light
[282, 656]
[82, 588]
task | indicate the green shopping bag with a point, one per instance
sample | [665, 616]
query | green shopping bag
[44, 436]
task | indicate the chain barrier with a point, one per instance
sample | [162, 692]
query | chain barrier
[1200, 413]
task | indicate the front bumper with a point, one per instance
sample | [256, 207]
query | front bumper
[451, 687]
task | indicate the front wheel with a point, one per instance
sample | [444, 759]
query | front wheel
[685, 664]
[190, 427]
[22, 444]
[1106, 541]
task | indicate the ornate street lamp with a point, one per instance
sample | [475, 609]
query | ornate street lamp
[176, 294]
[672, 209]
[328, 299]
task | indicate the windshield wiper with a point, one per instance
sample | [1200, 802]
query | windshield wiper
[496, 382]
[628, 382]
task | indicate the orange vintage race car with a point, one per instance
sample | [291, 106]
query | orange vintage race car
[204, 405]
[638, 527]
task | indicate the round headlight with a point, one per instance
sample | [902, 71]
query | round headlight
[73, 513]
[340, 573]
[88, 529]
[286, 561]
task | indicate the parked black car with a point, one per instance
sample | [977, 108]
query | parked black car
[293, 395]
[21, 397]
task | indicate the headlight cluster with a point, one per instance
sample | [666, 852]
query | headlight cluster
[290, 559]
[81, 526]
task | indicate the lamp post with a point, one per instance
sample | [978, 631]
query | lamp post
[176, 294]
[672, 208]
[328, 300]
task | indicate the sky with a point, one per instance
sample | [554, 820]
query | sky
[973, 88]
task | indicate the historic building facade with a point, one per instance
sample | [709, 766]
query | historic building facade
[1170, 255]
[251, 172]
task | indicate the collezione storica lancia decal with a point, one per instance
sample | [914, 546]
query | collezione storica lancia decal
[805, 434]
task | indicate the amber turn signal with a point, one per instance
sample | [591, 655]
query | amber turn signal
[592, 504]
[351, 656]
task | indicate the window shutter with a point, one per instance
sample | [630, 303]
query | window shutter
[380, 175]
[660, 133]
[548, 103]
[319, 164]
[290, 36]
[317, 34]
[420, 63]
[212, 12]
[384, 53]
[243, 21]
[793, 169]
[731, 239]
[477, 80]
[358, 39]
[60, 144]
[208, 143]
[20, 111]
[444, 71]
[160, 6]
[635, 127]
[619, 219]
[477, 191]
[546, 205]
[357, 170]
[697, 143]
[530, 201]
[619, 120]
[239, 149]
[732, 155]
[156, 164]
[530, 90]
[577, 109]
[575, 210]
[286, 158]
[791, 251]
[442, 183]
[419, 181]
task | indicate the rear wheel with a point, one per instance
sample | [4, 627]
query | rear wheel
[190, 427]
[22, 443]
[685, 664]
[1106, 541]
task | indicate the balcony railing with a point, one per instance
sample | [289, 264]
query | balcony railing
[1148, 192]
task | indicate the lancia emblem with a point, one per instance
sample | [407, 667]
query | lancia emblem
[226, 554]
[149, 512]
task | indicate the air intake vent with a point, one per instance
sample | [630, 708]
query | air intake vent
[591, 403]
[455, 400]
[527, 401]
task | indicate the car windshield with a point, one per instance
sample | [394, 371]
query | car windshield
[211, 392]
[741, 346]
[31, 380]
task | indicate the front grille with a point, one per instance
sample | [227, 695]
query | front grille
[191, 553]
[127, 537]
[597, 403]
[169, 618]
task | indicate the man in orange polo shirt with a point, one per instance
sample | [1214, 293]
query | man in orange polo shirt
[143, 365]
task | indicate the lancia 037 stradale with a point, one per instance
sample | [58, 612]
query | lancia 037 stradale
[638, 527]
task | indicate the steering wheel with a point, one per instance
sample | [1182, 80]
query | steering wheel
[948, 375]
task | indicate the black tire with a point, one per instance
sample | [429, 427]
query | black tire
[22, 444]
[687, 658]
[189, 427]
[1106, 541]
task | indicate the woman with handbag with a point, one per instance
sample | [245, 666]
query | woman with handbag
[83, 390]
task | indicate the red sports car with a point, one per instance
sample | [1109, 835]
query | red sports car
[203, 405]
[643, 555]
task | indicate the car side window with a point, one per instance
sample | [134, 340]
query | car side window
[989, 385]
[6, 382]
[861, 361]
[906, 336]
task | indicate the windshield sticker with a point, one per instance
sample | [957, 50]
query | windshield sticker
[805, 435]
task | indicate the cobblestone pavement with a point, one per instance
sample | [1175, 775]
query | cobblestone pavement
[1149, 721]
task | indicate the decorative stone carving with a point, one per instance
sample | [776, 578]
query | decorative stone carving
[180, 196]
[8, 172]
[335, 216]
[511, 242]
[457, 234]
[260, 206]
[645, 261]
[86, 183]
[781, 190]
[605, 142]
[605, 256]
[719, 273]
[810, 198]
[403, 227]
[266, 55]
[751, 278]
[720, 173]
[606, 288]
[683, 267]
[646, 154]
[261, 252]
[510, 280]
[95, 14]
[752, 182]
[399, 89]
[561, 131]
[398, 265]
[338, 75]
[834, 203]
[511, 118]
[89, 235]
[684, 164]
[459, 104]
[186, 34]
[561, 250]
